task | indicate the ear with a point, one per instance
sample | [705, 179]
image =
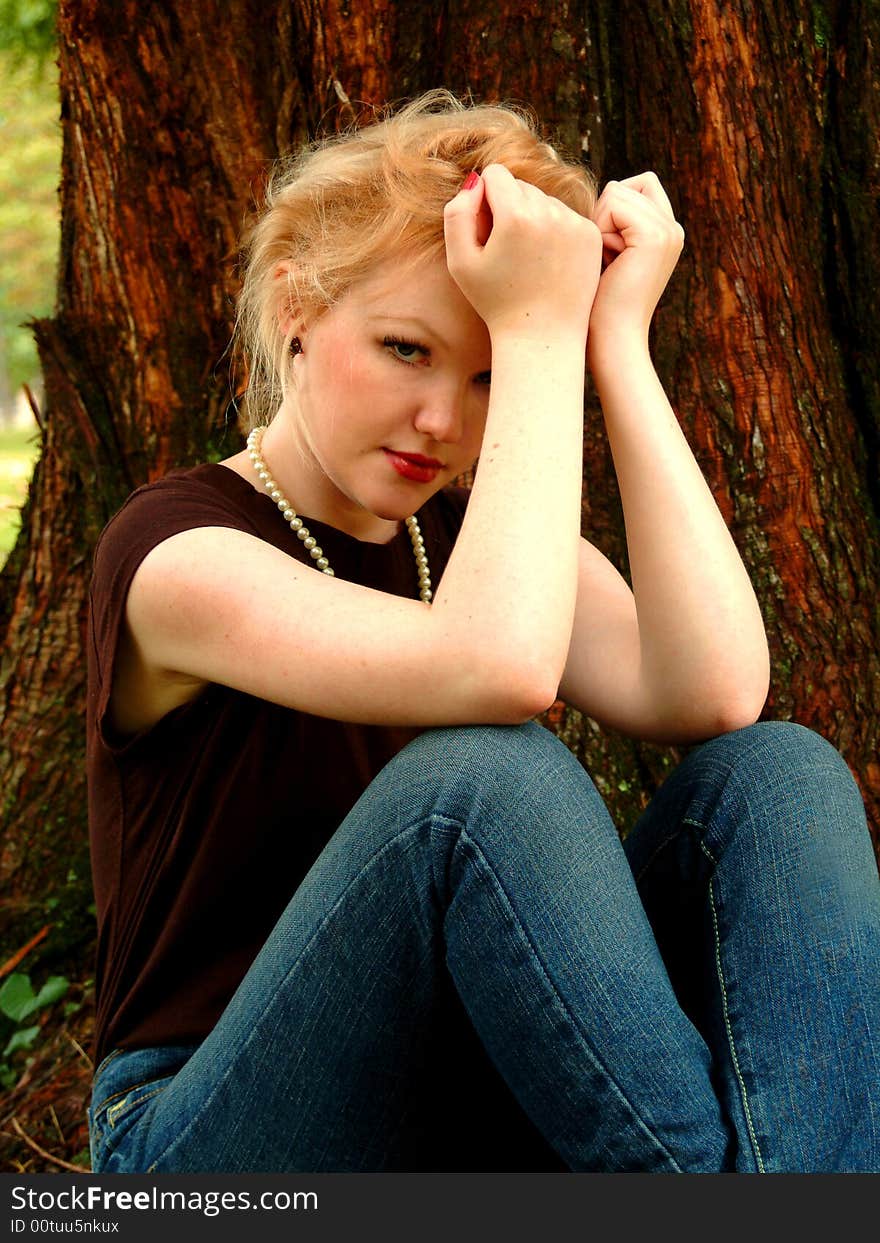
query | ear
[291, 319]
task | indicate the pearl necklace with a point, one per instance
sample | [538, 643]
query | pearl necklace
[254, 443]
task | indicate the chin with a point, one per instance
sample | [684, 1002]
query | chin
[394, 513]
[398, 509]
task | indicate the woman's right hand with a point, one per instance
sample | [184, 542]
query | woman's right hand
[527, 264]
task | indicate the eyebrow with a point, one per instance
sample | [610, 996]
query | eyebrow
[420, 324]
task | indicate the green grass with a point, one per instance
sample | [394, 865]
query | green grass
[18, 453]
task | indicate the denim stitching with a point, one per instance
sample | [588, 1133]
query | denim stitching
[406, 829]
[560, 1001]
[724, 1003]
[127, 1091]
[695, 824]
[662, 846]
[433, 818]
[113, 1111]
[105, 1061]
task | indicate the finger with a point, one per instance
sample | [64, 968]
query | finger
[484, 222]
[503, 196]
[464, 217]
[650, 185]
[621, 208]
[501, 187]
[612, 245]
[603, 217]
[613, 242]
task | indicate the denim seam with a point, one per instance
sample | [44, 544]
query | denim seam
[661, 847]
[295, 966]
[126, 1091]
[724, 1000]
[561, 1001]
[417, 825]
[105, 1061]
[113, 1111]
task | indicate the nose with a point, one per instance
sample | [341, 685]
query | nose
[441, 414]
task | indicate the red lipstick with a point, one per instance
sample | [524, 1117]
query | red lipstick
[414, 466]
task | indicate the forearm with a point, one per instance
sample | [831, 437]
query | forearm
[511, 581]
[702, 643]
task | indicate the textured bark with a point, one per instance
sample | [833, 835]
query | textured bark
[763, 337]
[763, 122]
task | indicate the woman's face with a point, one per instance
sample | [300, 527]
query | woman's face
[392, 390]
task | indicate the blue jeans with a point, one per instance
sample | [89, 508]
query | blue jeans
[477, 975]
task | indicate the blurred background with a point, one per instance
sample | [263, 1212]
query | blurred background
[30, 162]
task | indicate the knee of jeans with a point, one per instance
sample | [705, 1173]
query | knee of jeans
[808, 828]
[487, 749]
[476, 766]
[786, 776]
[786, 749]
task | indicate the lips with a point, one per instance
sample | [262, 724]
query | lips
[414, 466]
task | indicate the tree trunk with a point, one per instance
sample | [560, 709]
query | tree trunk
[763, 124]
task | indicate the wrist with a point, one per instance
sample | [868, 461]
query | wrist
[611, 348]
[537, 339]
[544, 362]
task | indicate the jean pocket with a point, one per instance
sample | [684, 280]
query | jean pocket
[113, 1119]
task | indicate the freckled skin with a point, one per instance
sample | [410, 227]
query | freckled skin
[357, 396]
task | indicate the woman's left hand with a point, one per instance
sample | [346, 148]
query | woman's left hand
[685, 655]
[641, 243]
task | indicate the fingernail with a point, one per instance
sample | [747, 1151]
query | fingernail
[470, 181]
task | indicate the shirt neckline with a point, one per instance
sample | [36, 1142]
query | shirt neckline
[231, 481]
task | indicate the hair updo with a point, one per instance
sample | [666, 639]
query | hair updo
[336, 208]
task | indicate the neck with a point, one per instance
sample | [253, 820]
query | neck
[310, 491]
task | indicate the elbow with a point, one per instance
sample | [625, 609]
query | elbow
[505, 680]
[527, 706]
[739, 707]
[745, 706]
[523, 691]
[738, 698]
[732, 717]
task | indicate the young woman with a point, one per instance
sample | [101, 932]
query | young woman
[357, 911]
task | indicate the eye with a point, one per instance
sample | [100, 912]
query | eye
[405, 351]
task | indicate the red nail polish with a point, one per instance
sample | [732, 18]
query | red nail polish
[470, 181]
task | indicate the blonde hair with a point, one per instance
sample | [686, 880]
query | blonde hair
[343, 204]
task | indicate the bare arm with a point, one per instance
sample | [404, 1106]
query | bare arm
[685, 656]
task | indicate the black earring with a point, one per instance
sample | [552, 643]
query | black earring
[295, 346]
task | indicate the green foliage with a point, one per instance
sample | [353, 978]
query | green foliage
[27, 29]
[30, 159]
[22, 1038]
[18, 1002]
